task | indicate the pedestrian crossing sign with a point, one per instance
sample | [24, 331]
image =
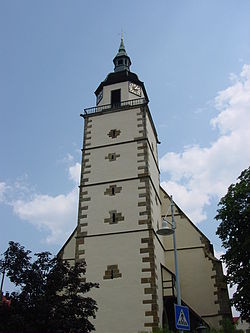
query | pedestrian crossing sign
[181, 317]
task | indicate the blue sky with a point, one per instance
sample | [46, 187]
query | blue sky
[194, 58]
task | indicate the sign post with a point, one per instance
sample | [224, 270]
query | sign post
[182, 317]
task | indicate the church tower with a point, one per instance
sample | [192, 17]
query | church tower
[120, 203]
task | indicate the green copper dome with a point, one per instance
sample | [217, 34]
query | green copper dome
[122, 61]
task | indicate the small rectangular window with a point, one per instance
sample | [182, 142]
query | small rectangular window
[113, 217]
[116, 98]
[113, 190]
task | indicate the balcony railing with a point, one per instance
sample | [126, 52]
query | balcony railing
[116, 106]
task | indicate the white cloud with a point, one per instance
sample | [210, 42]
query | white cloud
[197, 174]
[74, 173]
[56, 215]
[218, 255]
[3, 188]
[186, 198]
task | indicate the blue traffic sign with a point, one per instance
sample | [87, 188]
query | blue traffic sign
[182, 317]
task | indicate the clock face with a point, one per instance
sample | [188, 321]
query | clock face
[134, 89]
[99, 97]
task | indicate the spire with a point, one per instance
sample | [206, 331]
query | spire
[121, 61]
[121, 50]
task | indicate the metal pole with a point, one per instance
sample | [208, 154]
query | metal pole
[178, 289]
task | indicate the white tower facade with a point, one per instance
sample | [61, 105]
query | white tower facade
[120, 203]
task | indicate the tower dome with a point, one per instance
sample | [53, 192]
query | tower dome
[121, 60]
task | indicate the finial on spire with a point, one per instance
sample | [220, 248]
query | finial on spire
[122, 47]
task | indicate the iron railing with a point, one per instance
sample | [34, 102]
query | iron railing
[121, 105]
[169, 284]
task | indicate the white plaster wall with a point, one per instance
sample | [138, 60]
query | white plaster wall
[186, 234]
[197, 287]
[159, 259]
[152, 152]
[154, 174]
[213, 322]
[151, 137]
[195, 268]
[69, 249]
[155, 208]
[125, 202]
[153, 171]
[125, 166]
[120, 300]
[125, 121]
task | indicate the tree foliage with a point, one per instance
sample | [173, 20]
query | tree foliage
[51, 297]
[234, 231]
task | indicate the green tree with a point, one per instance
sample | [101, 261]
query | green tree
[51, 297]
[234, 231]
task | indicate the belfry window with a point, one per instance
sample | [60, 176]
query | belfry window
[116, 98]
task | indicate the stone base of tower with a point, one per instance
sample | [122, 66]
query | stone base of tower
[123, 266]
[129, 298]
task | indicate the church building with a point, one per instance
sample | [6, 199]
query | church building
[121, 206]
